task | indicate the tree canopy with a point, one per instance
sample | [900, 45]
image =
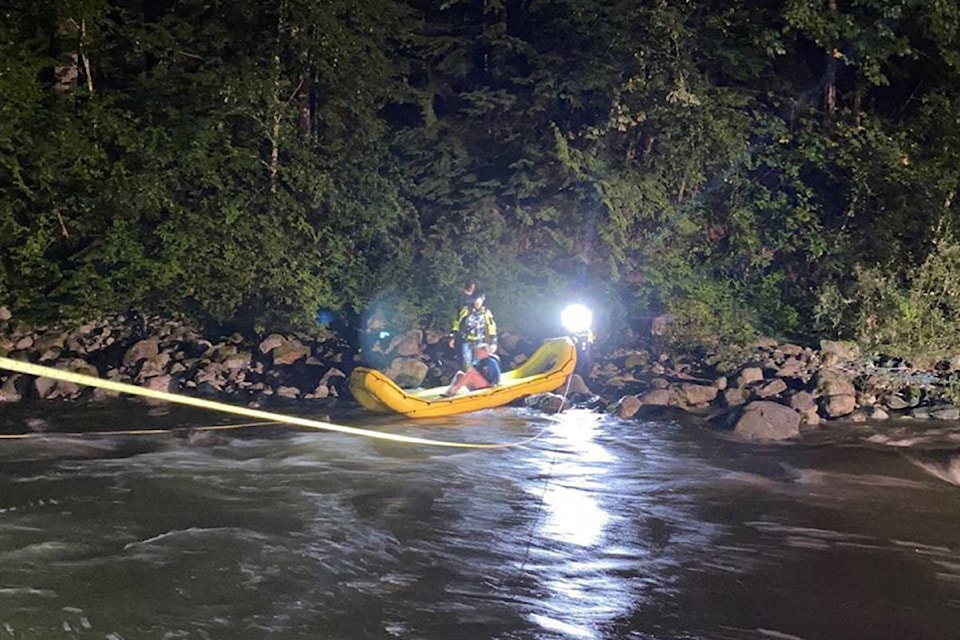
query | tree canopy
[747, 166]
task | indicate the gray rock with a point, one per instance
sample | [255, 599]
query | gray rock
[407, 343]
[407, 372]
[142, 350]
[721, 383]
[49, 341]
[656, 398]
[23, 343]
[920, 413]
[160, 383]
[876, 413]
[945, 413]
[271, 342]
[773, 388]
[734, 397]
[895, 403]
[5, 314]
[837, 406]
[237, 361]
[289, 352]
[833, 382]
[764, 420]
[803, 401]
[9, 391]
[577, 386]
[810, 417]
[749, 375]
[628, 406]
[550, 403]
[696, 394]
[288, 392]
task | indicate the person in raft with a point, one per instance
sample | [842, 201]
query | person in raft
[474, 324]
[484, 373]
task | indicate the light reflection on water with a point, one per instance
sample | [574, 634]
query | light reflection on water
[599, 529]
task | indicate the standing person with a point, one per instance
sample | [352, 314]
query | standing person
[474, 324]
[468, 294]
[484, 373]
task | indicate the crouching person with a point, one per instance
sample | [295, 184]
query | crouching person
[484, 373]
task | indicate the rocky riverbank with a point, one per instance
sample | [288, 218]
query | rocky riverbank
[766, 390]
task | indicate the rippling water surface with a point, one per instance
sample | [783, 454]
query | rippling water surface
[598, 529]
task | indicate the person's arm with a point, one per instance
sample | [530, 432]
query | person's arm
[455, 329]
[491, 331]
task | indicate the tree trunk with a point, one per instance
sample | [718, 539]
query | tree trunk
[830, 72]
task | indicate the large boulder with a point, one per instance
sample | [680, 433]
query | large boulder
[838, 405]
[142, 350]
[407, 372]
[833, 382]
[696, 394]
[656, 398]
[406, 344]
[749, 375]
[765, 420]
[271, 342]
[289, 352]
[628, 406]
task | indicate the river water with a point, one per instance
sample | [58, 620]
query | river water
[598, 529]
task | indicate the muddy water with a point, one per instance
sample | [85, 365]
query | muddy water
[598, 529]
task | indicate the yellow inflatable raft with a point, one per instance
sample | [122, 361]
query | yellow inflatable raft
[546, 370]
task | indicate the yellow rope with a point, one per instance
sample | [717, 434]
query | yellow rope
[269, 416]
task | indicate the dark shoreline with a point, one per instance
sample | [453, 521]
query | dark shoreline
[767, 390]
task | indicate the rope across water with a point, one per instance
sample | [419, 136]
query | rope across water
[267, 417]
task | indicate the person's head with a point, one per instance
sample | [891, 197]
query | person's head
[479, 300]
[482, 350]
[470, 287]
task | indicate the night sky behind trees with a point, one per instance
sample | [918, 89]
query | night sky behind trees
[784, 167]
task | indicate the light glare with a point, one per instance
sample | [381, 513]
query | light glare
[576, 318]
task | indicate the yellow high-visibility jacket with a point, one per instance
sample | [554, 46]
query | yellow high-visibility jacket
[475, 325]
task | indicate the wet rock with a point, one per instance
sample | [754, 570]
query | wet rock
[23, 343]
[765, 420]
[142, 350]
[876, 413]
[837, 406]
[857, 416]
[945, 413]
[920, 413]
[721, 383]
[550, 403]
[577, 386]
[5, 314]
[407, 372]
[627, 407]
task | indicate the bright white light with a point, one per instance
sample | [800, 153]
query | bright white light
[576, 318]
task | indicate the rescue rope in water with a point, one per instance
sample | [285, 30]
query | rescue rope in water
[266, 416]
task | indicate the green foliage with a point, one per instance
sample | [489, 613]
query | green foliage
[248, 163]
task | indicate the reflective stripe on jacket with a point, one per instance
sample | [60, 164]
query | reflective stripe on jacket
[475, 325]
